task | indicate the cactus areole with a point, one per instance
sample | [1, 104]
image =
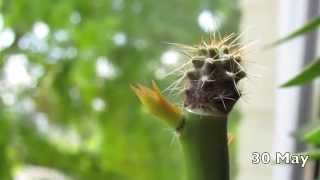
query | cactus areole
[211, 91]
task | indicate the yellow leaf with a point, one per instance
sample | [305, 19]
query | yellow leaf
[158, 104]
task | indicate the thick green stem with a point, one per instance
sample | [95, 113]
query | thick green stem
[204, 139]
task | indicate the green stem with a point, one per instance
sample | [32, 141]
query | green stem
[204, 139]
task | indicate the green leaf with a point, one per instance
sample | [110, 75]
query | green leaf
[313, 136]
[309, 26]
[311, 72]
[314, 154]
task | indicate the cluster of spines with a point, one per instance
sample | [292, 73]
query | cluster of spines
[212, 81]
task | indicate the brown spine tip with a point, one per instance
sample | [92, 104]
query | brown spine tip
[193, 75]
[213, 52]
[203, 51]
[237, 59]
[197, 63]
[240, 75]
[225, 50]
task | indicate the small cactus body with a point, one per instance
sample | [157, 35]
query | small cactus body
[212, 82]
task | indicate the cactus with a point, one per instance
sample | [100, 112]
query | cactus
[210, 94]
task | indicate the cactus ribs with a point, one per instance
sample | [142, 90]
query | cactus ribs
[212, 82]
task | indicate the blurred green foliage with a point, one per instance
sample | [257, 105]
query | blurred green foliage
[309, 135]
[52, 122]
[310, 72]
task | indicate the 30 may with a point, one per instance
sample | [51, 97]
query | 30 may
[280, 158]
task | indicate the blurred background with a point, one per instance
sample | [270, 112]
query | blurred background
[67, 111]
